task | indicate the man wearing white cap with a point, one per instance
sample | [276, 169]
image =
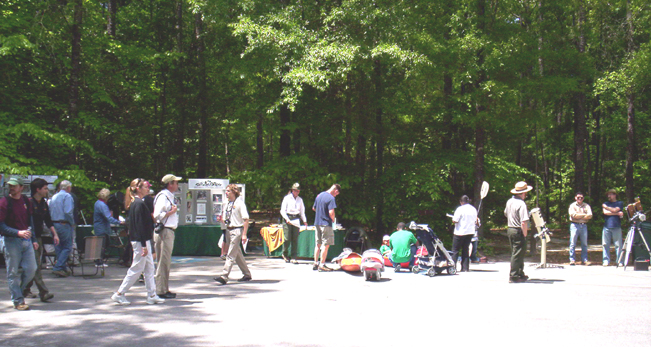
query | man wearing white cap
[292, 209]
[165, 211]
[517, 216]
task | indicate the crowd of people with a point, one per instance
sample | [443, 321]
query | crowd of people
[152, 221]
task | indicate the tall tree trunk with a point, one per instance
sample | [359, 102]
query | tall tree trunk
[75, 67]
[111, 23]
[201, 97]
[630, 112]
[297, 135]
[179, 163]
[260, 141]
[285, 139]
[579, 114]
[379, 91]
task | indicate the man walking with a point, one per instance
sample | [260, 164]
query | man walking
[465, 220]
[40, 216]
[580, 213]
[612, 231]
[324, 206]
[236, 222]
[15, 226]
[292, 209]
[517, 216]
[165, 211]
[61, 210]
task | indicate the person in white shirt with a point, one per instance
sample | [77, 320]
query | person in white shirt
[235, 221]
[291, 210]
[465, 219]
[165, 211]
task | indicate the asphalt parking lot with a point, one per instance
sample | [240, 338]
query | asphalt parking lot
[291, 305]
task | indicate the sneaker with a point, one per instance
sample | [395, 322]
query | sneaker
[223, 257]
[605, 263]
[29, 295]
[586, 263]
[285, 259]
[47, 296]
[21, 307]
[245, 279]
[324, 268]
[155, 300]
[60, 273]
[315, 266]
[294, 261]
[101, 265]
[396, 268]
[572, 262]
[220, 279]
[120, 299]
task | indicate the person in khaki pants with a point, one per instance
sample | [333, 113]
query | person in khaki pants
[235, 220]
[165, 211]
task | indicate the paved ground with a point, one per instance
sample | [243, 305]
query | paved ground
[291, 305]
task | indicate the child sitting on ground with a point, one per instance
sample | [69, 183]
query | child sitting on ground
[385, 249]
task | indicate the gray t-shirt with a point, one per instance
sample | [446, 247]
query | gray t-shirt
[516, 212]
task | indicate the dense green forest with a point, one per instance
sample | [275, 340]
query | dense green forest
[408, 104]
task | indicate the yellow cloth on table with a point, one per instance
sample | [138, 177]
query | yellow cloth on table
[274, 236]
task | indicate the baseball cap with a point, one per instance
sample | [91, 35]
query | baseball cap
[169, 178]
[15, 181]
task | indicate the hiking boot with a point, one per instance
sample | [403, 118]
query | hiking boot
[47, 296]
[21, 307]
[245, 279]
[220, 279]
[60, 273]
[324, 268]
[29, 295]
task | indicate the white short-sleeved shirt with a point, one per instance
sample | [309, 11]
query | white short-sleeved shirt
[464, 220]
[238, 213]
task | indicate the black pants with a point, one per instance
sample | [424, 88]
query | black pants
[462, 243]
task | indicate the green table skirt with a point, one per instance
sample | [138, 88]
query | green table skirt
[306, 245]
[188, 239]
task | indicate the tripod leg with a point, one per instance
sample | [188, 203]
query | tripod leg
[646, 244]
[627, 241]
[629, 246]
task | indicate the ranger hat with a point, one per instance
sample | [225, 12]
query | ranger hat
[169, 178]
[521, 187]
[296, 186]
[15, 181]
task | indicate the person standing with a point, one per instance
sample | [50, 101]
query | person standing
[612, 231]
[517, 217]
[102, 220]
[292, 209]
[235, 219]
[465, 220]
[40, 216]
[16, 226]
[580, 213]
[141, 230]
[165, 211]
[62, 214]
[324, 206]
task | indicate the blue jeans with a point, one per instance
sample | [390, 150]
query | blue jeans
[614, 234]
[581, 231]
[64, 247]
[19, 253]
[412, 258]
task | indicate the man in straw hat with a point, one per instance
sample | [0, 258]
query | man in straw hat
[517, 216]
[166, 212]
[613, 213]
[292, 209]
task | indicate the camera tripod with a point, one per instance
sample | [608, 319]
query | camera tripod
[637, 218]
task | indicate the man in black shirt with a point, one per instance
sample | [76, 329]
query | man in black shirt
[40, 215]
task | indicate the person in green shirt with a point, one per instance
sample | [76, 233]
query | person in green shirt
[403, 247]
[385, 249]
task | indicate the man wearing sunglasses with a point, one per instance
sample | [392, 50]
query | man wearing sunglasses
[580, 214]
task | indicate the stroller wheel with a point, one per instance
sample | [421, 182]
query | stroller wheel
[415, 269]
[431, 272]
[452, 270]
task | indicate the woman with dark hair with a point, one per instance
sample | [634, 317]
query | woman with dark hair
[465, 219]
[141, 231]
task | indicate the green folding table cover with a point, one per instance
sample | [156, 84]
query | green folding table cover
[306, 245]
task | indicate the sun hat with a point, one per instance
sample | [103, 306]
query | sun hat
[386, 238]
[521, 187]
